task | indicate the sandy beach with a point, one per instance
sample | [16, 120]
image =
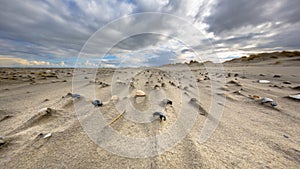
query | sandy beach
[41, 126]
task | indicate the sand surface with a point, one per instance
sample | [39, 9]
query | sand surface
[249, 134]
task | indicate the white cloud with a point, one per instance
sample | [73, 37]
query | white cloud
[62, 63]
[104, 10]
[11, 62]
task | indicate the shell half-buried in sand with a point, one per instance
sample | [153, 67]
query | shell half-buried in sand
[295, 96]
[140, 93]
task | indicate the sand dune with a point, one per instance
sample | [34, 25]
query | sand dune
[42, 126]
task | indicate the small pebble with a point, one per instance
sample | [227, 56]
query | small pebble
[286, 82]
[167, 101]
[97, 103]
[2, 141]
[277, 76]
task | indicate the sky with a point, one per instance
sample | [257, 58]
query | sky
[116, 33]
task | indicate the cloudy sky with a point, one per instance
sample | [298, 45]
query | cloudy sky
[142, 32]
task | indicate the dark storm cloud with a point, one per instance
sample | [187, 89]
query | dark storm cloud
[254, 25]
[228, 15]
[242, 40]
[232, 14]
[287, 39]
[138, 41]
[287, 11]
[185, 50]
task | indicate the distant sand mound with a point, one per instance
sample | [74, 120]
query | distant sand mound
[256, 58]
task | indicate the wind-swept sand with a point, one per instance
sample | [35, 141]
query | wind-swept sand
[34, 103]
